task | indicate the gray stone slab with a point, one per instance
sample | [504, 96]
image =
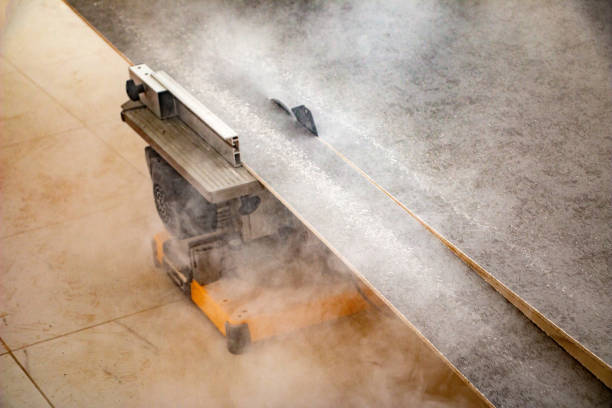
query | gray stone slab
[232, 58]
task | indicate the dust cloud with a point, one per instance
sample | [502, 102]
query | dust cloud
[371, 358]
[365, 359]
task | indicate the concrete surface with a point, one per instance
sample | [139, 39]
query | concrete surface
[89, 319]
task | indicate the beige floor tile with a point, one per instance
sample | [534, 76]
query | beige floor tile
[173, 356]
[61, 177]
[40, 32]
[80, 273]
[5, 66]
[92, 88]
[16, 389]
[124, 141]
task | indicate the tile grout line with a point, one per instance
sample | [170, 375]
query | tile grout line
[55, 224]
[10, 352]
[79, 120]
[34, 139]
[136, 334]
[92, 326]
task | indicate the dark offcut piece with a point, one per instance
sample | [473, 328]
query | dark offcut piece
[304, 117]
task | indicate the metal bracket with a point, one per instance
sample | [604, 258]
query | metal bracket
[301, 114]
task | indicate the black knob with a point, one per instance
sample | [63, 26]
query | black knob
[248, 204]
[133, 90]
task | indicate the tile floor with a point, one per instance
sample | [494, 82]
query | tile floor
[87, 318]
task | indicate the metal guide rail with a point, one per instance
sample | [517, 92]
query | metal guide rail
[198, 145]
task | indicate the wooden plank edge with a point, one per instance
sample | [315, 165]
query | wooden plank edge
[573, 347]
